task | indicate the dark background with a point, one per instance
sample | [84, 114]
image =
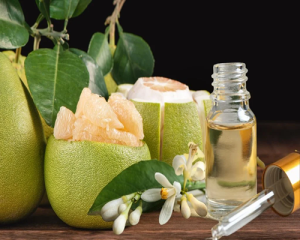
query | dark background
[188, 37]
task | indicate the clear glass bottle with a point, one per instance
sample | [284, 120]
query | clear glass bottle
[230, 148]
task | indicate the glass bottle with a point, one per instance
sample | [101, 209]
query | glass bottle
[230, 148]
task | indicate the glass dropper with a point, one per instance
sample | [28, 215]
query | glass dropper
[249, 210]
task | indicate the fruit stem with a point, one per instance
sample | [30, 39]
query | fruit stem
[111, 20]
[18, 53]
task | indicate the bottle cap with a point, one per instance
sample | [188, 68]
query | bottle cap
[288, 167]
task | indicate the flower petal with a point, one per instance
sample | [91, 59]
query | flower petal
[198, 171]
[167, 210]
[199, 207]
[199, 153]
[179, 163]
[151, 195]
[177, 187]
[160, 178]
[185, 209]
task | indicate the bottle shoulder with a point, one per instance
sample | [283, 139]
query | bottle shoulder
[229, 117]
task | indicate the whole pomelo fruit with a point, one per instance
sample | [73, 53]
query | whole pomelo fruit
[76, 172]
[22, 146]
[20, 67]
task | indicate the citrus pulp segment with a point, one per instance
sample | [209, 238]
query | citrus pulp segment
[127, 114]
[22, 146]
[76, 172]
[151, 115]
[181, 126]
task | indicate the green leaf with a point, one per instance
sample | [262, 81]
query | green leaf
[44, 7]
[63, 9]
[13, 32]
[99, 50]
[82, 5]
[96, 83]
[136, 178]
[132, 59]
[55, 78]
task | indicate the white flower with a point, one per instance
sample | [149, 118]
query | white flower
[168, 192]
[185, 209]
[189, 170]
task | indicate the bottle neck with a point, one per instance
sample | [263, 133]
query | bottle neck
[230, 83]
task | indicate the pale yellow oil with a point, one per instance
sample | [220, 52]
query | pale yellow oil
[230, 166]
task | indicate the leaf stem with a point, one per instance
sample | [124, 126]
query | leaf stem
[36, 42]
[38, 20]
[18, 53]
[111, 20]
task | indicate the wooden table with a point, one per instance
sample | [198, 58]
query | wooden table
[275, 140]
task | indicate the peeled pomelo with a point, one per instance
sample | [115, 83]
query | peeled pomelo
[88, 156]
[170, 116]
[116, 121]
[21, 150]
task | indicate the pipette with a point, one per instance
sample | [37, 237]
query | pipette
[282, 193]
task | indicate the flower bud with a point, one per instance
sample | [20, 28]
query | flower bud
[134, 217]
[119, 224]
[122, 208]
[111, 204]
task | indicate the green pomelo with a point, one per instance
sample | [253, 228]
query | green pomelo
[19, 66]
[150, 113]
[76, 172]
[181, 125]
[22, 146]
[207, 106]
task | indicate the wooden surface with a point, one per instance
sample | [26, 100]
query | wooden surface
[275, 140]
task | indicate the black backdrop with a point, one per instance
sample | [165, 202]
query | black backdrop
[188, 37]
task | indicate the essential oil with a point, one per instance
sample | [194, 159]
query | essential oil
[230, 147]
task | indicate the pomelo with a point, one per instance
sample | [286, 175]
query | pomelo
[20, 67]
[88, 149]
[76, 172]
[22, 146]
[170, 116]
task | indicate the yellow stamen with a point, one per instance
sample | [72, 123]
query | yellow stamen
[164, 193]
